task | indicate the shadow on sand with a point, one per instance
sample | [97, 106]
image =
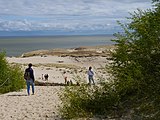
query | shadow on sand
[18, 95]
[37, 83]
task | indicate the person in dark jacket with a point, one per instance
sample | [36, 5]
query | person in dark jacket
[29, 77]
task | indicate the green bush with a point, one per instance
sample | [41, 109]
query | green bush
[87, 101]
[11, 77]
[136, 66]
[73, 98]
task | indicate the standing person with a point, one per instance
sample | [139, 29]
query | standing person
[90, 76]
[65, 77]
[29, 77]
[42, 76]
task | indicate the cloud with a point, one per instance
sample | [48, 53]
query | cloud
[65, 15]
[68, 7]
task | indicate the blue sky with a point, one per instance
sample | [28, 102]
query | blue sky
[65, 16]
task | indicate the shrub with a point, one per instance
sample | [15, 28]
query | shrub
[11, 77]
[136, 65]
[87, 101]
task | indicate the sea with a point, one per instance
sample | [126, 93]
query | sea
[16, 46]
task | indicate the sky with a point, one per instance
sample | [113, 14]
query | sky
[58, 17]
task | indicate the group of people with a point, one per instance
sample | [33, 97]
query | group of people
[30, 79]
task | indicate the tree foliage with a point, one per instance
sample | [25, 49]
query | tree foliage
[136, 64]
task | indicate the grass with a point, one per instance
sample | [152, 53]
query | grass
[74, 52]
[68, 66]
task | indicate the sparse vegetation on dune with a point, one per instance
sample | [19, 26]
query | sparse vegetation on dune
[67, 66]
[74, 52]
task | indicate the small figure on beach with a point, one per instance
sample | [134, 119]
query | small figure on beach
[90, 75]
[65, 77]
[42, 76]
[46, 77]
[29, 77]
[71, 83]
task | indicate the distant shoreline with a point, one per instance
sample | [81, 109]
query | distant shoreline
[16, 46]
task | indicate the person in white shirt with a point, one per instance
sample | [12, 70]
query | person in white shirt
[65, 77]
[90, 76]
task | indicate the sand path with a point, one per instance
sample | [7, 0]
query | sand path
[41, 106]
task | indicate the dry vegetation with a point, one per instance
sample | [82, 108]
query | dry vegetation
[74, 52]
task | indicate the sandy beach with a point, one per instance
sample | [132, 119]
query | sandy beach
[43, 105]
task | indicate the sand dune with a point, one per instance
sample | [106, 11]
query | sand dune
[43, 105]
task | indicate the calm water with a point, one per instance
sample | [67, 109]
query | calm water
[16, 46]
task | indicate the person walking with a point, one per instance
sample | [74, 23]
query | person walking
[29, 77]
[90, 76]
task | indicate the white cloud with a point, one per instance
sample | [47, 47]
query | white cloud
[67, 15]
